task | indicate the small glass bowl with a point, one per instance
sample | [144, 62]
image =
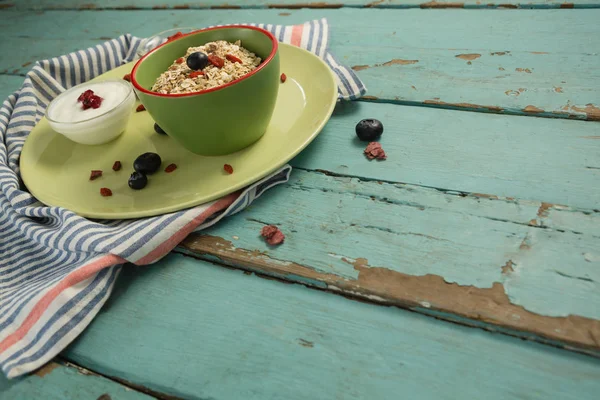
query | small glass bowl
[156, 40]
[100, 128]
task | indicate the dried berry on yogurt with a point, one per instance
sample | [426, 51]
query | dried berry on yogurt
[137, 180]
[89, 100]
[105, 192]
[147, 163]
[198, 60]
[116, 166]
[95, 174]
[272, 234]
[228, 168]
[140, 108]
[158, 129]
[369, 129]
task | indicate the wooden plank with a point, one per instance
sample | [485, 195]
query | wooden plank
[194, 330]
[9, 84]
[515, 265]
[58, 382]
[438, 64]
[293, 4]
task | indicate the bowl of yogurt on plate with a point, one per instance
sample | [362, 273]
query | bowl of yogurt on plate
[92, 113]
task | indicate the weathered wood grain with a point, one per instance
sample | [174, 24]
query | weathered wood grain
[240, 336]
[59, 382]
[293, 4]
[439, 63]
[503, 262]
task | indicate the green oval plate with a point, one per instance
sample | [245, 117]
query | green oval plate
[56, 170]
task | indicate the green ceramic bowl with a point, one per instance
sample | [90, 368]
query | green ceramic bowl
[220, 120]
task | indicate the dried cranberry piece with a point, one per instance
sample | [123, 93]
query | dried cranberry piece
[196, 73]
[283, 78]
[116, 166]
[180, 60]
[374, 150]
[170, 168]
[95, 101]
[228, 168]
[105, 192]
[140, 108]
[216, 61]
[272, 234]
[127, 77]
[95, 174]
[233, 58]
[175, 36]
[85, 95]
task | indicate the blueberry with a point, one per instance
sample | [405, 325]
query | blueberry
[147, 163]
[158, 129]
[137, 181]
[369, 129]
[197, 61]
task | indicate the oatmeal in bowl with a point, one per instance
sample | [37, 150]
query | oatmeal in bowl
[213, 90]
[208, 66]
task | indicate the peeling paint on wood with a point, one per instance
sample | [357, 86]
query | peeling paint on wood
[307, 5]
[468, 57]
[487, 305]
[46, 369]
[468, 106]
[439, 4]
[526, 70]
[532, 109]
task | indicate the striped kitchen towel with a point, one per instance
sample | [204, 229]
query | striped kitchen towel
[56, 268]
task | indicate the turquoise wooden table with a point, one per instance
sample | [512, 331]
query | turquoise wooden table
[466, 265]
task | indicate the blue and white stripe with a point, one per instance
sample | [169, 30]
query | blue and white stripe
[46, 299]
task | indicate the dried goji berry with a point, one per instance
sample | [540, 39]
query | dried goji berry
[233, 58]
[170, 168]
[96, 173]
[127, 77]
[117, 166]
[283, 78]
[140, 108]
[196, 73]
[216, 61]
[228, 168]
[105, 192]
[180, 60]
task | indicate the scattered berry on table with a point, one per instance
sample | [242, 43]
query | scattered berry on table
[170, 168]
[197, 61]
[369, 129]
[158, 129]
[374, 150]
[216, 61]
[105, 192]
[233, 58]
[116, 166]
[137, 181]
[127, 77]
[228, 168]
[95, 174]
[283, 78]
[147, 163]
[272, 234]
[140, 108]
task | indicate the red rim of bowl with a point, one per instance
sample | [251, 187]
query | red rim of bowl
[248, 75]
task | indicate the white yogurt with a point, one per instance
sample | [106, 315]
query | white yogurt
[94, 125]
